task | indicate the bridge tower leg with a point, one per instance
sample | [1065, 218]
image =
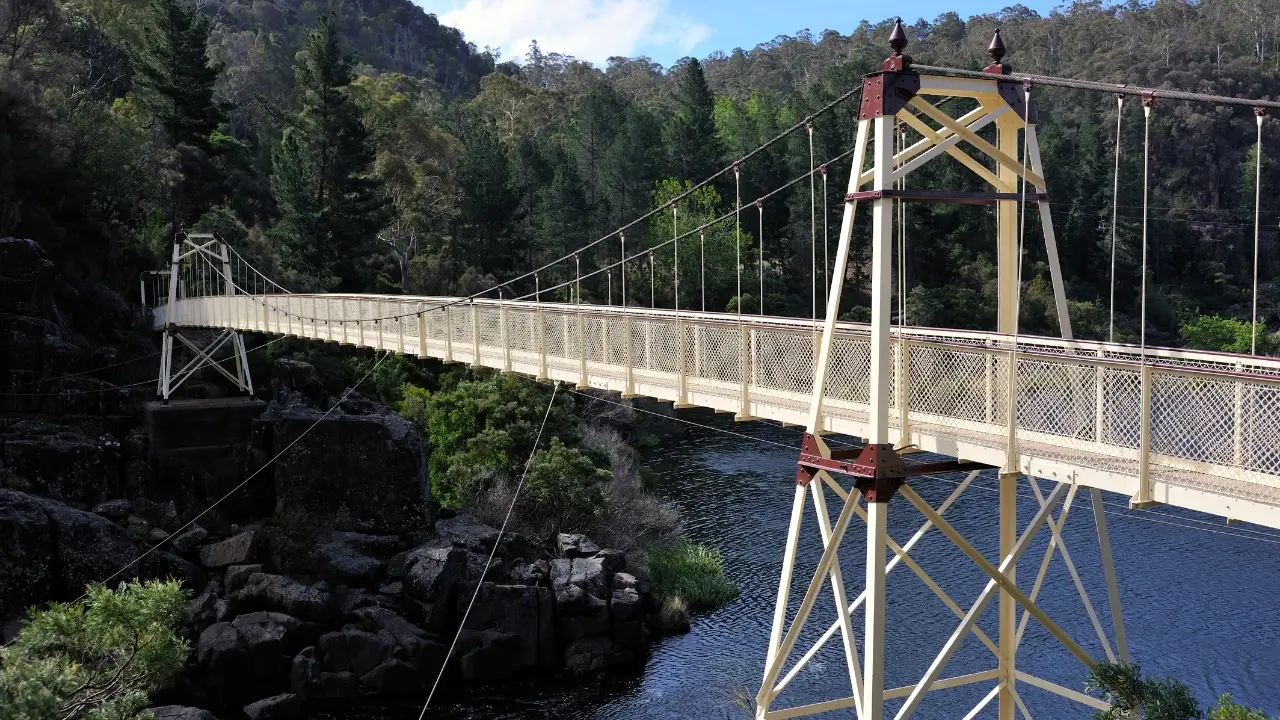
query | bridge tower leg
[878, 472]
[205, 261]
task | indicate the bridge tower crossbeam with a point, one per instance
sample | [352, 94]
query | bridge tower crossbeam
[876, 472]
[192, 254]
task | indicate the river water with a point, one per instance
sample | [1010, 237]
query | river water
[1201, 599]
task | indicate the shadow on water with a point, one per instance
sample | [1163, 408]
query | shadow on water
[1200, 600]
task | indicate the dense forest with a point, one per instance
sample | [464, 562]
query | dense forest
[363, 146]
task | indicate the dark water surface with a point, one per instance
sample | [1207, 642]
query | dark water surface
[1202, 601]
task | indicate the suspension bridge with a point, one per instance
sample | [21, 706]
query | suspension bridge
[1196, 430]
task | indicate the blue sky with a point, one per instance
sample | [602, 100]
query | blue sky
[668, 30]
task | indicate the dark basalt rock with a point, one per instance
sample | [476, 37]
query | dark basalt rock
[52, 551]
[241, 549]
[180, 712]
[278, 706]
[362, 466]
[281, 594]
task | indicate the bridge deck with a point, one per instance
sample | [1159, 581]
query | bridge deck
[1205, 426]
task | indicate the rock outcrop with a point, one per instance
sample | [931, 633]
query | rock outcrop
[362, 466]
[52, 551]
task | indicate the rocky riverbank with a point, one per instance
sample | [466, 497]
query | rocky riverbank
[325, 571]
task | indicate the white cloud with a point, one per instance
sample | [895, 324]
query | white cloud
[591, 30]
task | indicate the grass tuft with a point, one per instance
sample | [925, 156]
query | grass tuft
[692, 573]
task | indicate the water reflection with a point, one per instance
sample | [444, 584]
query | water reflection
[1200, 600]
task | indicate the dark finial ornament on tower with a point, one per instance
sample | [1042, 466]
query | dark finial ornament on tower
[898, 42]
[898, 38]
[996, 51]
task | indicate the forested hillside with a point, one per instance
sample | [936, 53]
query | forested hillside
[364, 146]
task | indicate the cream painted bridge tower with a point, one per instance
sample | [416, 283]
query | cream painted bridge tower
[1191, 429]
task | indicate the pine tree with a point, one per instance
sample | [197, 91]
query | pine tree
[332, 204]
[694, 148]
[176, 76]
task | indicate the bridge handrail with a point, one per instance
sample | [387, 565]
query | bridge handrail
[1123, 353]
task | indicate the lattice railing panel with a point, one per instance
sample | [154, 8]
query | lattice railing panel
[664, 346]
[1193, 417]
[520, 330]
[596, 337]
[555, 334]
[1121, 408]
[954, 383]
[785, 361]
[1260, 430]
[850, 375]
[719, 353]
[1056, 398]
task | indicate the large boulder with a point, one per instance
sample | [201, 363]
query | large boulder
[52, 551]
[28, 567]
[180, 712]
[393, 676]
[526, 613]
[414, 645]
[280, 594]
[572, 545]
[62, 464]
[223, 661]
[271, 640]
[582, 595]
[276, 706]
[240, 549]
[341, 564]
[467, 532]
[361, 466]
[353, 650]
[432, 571]
[489, 655]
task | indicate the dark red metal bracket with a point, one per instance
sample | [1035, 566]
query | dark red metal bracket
[885, 93]
[1015, 94]
[946, 196]
[877, 469]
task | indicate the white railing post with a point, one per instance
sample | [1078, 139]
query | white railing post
[682, 391]
[1144, 496]
[904, 391]
[400, 325]
[475, 335]
[582, 351]
[541, 326]
[630, 390]
[422, 332]
[744, 367]
[360, 323]
[989, 373]
[1237, 426]
[380, 322]
[1099, 402]
[506, 344]
[342, 314]
[448, 334]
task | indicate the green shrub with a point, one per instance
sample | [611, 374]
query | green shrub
[693, 573]
[484, 428]
[1132, 695]
[414, 405]
[1226, 334]
[100, 658]
[563, 487]
[1228, 710]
